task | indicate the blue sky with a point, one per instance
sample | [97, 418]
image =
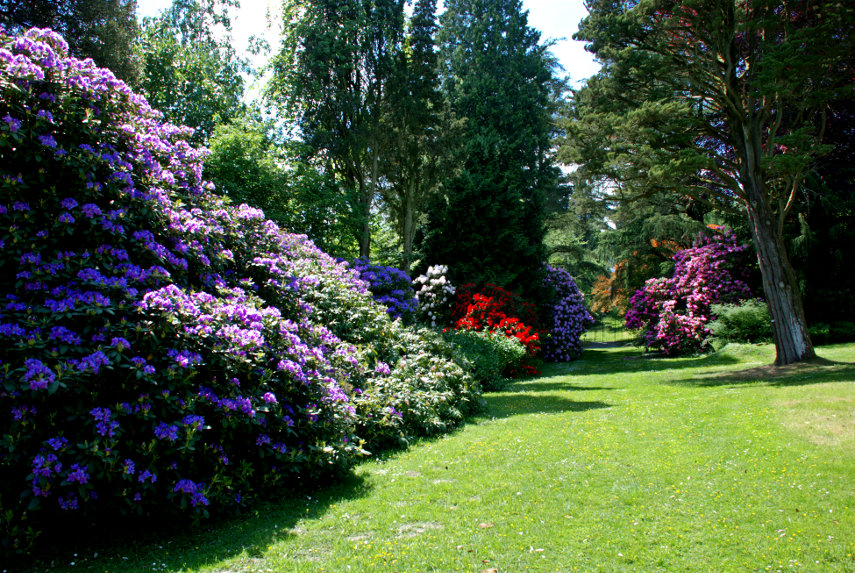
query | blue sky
[555, 19]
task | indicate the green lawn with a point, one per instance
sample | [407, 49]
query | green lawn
[616, 462]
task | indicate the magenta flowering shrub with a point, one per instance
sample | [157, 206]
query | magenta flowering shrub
[673, 313]
[389, 286]
[162, 352]
[566, 317]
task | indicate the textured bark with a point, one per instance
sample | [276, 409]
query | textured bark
[789, 327]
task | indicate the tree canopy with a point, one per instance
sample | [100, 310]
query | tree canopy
[721, 100]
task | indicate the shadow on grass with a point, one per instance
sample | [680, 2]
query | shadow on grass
[507, 405]
[178, 546]
[631, 359]
[816, 371]
[541, 385]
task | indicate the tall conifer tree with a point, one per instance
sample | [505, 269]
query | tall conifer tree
[488, 226]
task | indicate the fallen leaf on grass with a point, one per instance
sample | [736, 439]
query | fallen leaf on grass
[485, 525]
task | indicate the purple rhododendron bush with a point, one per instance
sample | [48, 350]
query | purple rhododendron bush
[162, 352]
[673, 313]
[566, 316]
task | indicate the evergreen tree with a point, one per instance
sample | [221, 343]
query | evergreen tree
[488, 225]
[103, 30]
[726, 98]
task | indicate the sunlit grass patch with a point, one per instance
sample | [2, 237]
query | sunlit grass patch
[616, 462]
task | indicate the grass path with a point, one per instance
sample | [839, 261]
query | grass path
[612, 463]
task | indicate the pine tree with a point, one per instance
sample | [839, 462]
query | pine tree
[488, 224]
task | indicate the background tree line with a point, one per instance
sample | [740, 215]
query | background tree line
[390, 132]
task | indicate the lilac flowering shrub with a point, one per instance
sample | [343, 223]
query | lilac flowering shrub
[390, 287]
[673, 314]
[435, 295]
[566, 317]
[162, 352]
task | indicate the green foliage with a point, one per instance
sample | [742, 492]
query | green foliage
[190, 71]
[488, 355]
[331, 77]
[426, 392]
[823, 333]
[718, 100]
[746, 321]
[487, 225]
[251, 165]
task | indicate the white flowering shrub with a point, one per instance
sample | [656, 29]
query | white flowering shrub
[435, 294]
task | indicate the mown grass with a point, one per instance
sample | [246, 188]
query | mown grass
[616, 462]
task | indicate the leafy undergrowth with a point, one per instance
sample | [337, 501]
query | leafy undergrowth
[616, 462]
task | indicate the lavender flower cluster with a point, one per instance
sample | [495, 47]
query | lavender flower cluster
[205, 355]
[673, 313]
[566, 316]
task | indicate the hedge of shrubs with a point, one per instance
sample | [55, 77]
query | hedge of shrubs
[163, 352]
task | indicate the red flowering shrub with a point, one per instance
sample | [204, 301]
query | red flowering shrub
[494, 309]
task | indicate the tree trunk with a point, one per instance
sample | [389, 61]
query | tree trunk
[409, 229]
[789, 327]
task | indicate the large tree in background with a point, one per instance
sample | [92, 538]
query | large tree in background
[190, 71]
[332, 77]
[729, 94]
[488, 224]
[417, 127]
[103, 30]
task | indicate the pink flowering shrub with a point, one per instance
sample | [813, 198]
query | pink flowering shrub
[162, 352]
[673, 313]
[566, 317]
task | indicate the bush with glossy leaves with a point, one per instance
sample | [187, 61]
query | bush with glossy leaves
[162, 352]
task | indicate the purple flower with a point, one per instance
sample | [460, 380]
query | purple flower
[270, 398]
[14, 124]
[68, 503]
[91, 210]
[57, 443]
[66, 217]
[185, 486]
[147, 475]
[68, 203]
[193, 421]
[37, 374]
[128, 467]
[164, 431]
[120, 343]
[105, 425]
[94, 362]
[20, 206]
[47, 141]
[78, 474]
